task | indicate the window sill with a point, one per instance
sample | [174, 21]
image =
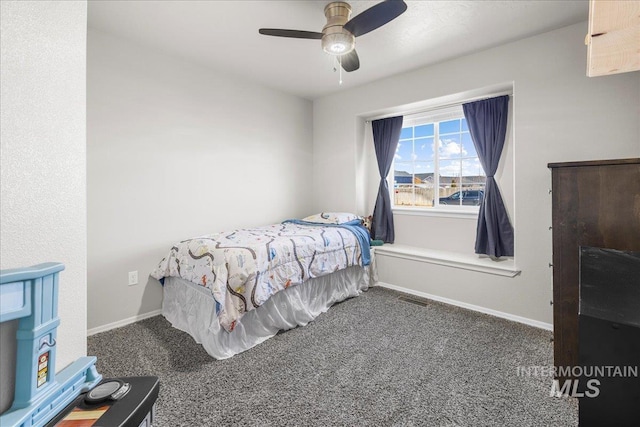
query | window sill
[471, 262]
[465, 213]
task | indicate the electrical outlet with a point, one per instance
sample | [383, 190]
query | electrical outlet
[133, 278]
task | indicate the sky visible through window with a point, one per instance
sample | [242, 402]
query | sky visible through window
[457, 155]
[434, 154]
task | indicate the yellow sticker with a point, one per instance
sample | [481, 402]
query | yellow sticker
[43, 368]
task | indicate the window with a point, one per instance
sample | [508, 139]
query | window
[436, 165]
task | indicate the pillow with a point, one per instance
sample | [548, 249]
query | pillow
[331, 218]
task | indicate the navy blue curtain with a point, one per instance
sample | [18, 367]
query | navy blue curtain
[386, 133]
[487, 121]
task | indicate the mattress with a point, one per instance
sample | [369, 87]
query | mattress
[192, 309]
[243, 268]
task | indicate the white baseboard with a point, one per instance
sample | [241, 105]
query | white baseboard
[122, 322]
[512, 317]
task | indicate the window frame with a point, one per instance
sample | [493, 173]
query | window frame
[434, 117]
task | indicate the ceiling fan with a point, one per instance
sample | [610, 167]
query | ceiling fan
[339, 34]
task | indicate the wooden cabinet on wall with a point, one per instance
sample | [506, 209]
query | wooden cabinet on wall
[613, 42]
[595, 203]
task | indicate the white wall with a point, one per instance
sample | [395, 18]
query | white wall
[42, 161]
[176, 151]
[559, 114]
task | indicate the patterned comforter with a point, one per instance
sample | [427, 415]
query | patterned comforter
[243, 268]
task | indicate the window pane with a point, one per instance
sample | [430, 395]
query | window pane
[403, 195]
[423, 195]
[404, 151]
[450, 126]
[472, 195]
[472, 171]
[460, 175]
[402, 173]
[406, 133]
[423, 173]
[450, 146]
[468, 149]
[424, 149]
[449, 196]
[424, 130]
[450, 173]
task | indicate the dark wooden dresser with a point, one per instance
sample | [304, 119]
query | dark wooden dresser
[595, 203]
[609, 334]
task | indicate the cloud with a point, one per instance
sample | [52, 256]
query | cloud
[448, 149]
[470, 167]
[452, 169]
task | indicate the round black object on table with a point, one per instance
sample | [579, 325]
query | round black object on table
[107, 390]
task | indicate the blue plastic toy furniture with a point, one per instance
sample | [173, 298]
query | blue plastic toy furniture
[31, 295]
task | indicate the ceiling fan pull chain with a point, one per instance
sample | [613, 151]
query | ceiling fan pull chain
[340, 63]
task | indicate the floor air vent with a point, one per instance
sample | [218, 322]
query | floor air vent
[413, 301]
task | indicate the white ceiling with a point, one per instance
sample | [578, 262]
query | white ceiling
[223, 35]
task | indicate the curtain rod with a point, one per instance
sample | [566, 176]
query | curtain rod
[440, 107]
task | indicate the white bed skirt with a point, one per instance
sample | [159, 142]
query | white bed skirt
[191, 308]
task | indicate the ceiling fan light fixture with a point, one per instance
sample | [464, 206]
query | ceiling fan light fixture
[336, 40]
[339, 43]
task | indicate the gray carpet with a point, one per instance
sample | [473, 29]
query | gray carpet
[375, 360]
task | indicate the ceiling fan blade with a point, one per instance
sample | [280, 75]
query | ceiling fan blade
[375, 17]
[350, 61]
[290, 33]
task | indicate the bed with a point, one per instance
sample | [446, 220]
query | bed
[233, 290]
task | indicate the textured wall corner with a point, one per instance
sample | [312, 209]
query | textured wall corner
[43, 152]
